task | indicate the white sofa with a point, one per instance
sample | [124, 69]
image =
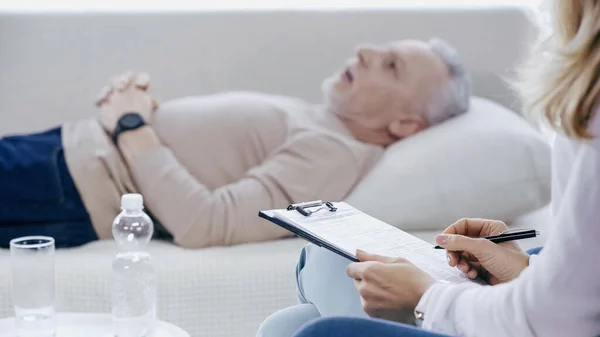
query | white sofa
[52, 65]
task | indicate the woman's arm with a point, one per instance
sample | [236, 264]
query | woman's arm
[558, 295]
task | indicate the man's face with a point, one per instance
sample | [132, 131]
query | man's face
[387, 83]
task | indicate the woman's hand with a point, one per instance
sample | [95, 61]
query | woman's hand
[475, 256]
[389, 288]
[125, 93]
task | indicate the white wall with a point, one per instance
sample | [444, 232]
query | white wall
[162, 5]
[52, 65]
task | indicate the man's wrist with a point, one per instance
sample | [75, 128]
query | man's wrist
[136, 142]
[127, 122]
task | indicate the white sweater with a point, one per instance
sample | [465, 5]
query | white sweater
[559, 293]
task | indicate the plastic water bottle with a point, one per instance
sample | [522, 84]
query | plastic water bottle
[134, 276]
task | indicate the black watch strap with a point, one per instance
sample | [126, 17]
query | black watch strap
[127, 122]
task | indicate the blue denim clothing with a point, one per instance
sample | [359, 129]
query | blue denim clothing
[37, 194]
[360, 327]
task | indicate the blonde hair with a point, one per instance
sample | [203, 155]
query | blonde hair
[561, 79]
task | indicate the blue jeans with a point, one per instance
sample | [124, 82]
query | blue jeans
[325, 294]
[37, 194]
[361, 327]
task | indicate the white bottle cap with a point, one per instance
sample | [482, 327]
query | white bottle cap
[132, 201]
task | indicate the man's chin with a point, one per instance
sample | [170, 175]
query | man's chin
[328, 85]
[331, 94]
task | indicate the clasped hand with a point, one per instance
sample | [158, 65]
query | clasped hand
[391, 288]
[128, 92]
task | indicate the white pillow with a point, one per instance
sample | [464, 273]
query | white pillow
[487, 163]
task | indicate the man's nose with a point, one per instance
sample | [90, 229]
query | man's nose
[367, 55]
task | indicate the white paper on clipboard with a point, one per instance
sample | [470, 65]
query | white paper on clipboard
[350, 229]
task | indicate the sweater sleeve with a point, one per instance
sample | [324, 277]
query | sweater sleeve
[558, 295]
[307, 167]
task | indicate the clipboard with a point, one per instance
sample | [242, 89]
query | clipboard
[268, 215]
[351, 229]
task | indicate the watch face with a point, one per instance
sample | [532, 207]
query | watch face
[131, 120]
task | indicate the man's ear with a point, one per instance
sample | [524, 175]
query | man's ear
[407, 126]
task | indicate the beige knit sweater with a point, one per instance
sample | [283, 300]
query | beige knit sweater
[224, 158]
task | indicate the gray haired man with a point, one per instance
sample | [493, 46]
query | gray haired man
[206, 165]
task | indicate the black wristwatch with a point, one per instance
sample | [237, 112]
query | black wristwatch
[127, 122]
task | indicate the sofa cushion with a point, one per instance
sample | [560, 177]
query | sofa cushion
[215, 292]
[487, 163]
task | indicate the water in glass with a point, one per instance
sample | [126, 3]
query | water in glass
[32, 262]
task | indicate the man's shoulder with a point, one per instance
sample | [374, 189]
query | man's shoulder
[325, 145]
[335, 151]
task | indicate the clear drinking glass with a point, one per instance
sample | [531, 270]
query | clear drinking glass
[32, 261]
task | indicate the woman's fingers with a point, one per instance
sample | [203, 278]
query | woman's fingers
[468, 227]
[468, 256]
[476, 246]
[468, 269]
[453, 258]
[476, 227]
[468, 264]
[464, 266]
[459, 237]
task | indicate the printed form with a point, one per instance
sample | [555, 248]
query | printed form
[350, 229]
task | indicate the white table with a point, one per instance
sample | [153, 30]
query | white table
[89, 325]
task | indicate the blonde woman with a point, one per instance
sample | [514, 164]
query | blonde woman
[556, 293]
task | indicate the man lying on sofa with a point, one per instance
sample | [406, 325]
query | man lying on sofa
[207, 165]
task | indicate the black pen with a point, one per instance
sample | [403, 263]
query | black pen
[509, 236]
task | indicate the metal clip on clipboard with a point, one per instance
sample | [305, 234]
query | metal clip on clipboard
[302, 208]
